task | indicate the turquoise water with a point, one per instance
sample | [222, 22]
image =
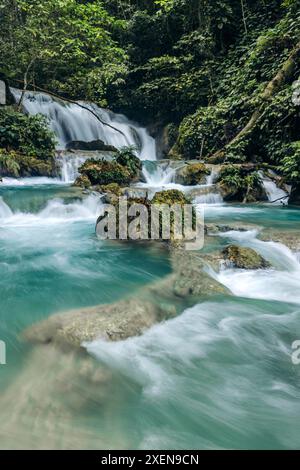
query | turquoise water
[51, 260]
[219, 375]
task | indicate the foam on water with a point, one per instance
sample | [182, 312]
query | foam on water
[281, 282]
[30, 181]
[55, 212]
[275, 195]
[202, 364]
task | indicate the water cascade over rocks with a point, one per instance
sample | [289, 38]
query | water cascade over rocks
[275, 194]
[72, 123]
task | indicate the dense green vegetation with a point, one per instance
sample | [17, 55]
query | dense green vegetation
[26, 145]
[219, 74]
[124, 168]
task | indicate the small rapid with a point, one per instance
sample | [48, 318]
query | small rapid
[281, 282]
[56, 211]
[275, 194]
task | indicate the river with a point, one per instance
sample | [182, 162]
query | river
[219, 375]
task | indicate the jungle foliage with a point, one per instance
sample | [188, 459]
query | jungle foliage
[205, 68]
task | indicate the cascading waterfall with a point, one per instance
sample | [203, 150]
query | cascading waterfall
[209, 198]
[275, 194]
[157, 176]
[69, 166]
[70, 123]
[211, 178]
[5, 210]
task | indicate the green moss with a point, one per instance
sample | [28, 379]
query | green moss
[102, 172]
[126, 157]
[28, 146]
[240, 183]
[244, 258]
[170, 197]
[82, 182]
[113, 188]
[194, 174]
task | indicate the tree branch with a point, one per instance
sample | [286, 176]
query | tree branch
[73, 102]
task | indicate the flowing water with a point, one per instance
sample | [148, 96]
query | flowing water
[219, 375]
[70, 123]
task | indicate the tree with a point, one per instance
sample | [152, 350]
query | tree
[63, 44]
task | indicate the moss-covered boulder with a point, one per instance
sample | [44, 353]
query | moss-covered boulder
[127, 158]
[241, 183]
[170, 197]
[82, 182]
[123, 169]
[102, 172]
[152, 221]
[192, 174]
[244, 258]
[111, 188]
[15, 164]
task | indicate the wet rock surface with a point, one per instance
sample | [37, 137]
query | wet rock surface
[244, 258]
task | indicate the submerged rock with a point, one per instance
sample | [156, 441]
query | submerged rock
[244, 258]
[112, 322]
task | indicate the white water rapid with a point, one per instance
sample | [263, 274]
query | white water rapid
[56, 211]
[281, 282]
[275, 194]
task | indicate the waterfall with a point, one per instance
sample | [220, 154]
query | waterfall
[69, 166]
[273, 192]
[5, 211]
[209, 198]
[70, 123]
[211, 178]
[157, 176]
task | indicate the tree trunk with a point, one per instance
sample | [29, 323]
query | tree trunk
[25, 84]
[284, 73]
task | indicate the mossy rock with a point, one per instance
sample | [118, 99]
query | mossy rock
[244, 258]
[15, 164]
[101, 172]
[192, 174]
[32, 166]
[113, 188]
[82, 182]
[170, 197]
[127, 158]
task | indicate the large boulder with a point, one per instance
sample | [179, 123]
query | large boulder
[244, 258]
[93, 145]
[295, 195]
[102, 172]
[192, 174]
